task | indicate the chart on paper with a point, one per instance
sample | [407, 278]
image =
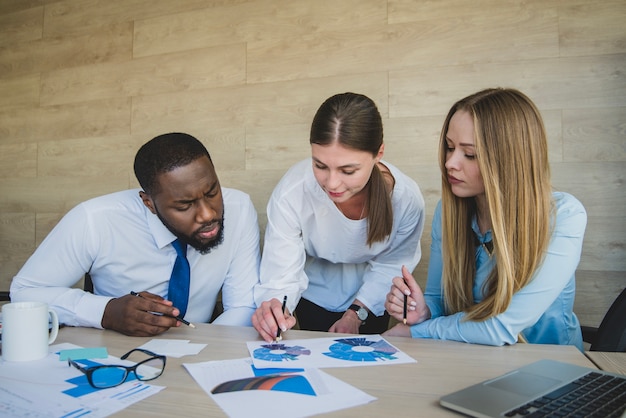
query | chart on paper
[242, 390]
[348, 351]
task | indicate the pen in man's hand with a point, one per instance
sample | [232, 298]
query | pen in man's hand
[278, 337]
[178, 318]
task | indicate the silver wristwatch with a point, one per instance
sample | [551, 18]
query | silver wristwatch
[361, 312]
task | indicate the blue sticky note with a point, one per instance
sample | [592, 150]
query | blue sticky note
[83, 353]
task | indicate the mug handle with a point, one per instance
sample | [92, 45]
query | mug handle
[54, 331]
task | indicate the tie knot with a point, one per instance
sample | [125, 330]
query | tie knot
[180, 247]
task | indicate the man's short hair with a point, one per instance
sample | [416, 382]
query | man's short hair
[164, 153]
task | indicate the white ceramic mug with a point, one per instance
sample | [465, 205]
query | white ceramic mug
[25, 330]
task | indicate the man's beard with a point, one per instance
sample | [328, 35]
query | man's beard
[190, 240]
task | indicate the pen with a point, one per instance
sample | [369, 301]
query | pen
[278, 337]
[178, 318]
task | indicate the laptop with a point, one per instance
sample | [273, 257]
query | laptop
[543, 386]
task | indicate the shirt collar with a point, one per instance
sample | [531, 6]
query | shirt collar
[162, 235]
[481, 238]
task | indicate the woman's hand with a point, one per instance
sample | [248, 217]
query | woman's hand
[269, 317]
[399, 330]
[416, 311]
[349, 323]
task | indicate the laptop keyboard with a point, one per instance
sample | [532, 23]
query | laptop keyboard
[593, 395]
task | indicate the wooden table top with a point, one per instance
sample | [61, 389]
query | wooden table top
[401, 390]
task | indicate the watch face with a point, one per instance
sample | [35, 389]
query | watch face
[362, 314]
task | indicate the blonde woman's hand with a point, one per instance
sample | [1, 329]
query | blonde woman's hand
[399, 330]
[417, 311]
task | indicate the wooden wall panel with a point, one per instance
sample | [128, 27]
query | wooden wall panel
[86, 82]
[88, 157]
[77, 120]
[553, 121]
[112, 43]
[12, 6]
[17, 232]
[55, 194]
[595, 291]
[236, 22]
[604, 243]
[402, 11]
[21, 25]
[552, 83]
[289, 143]
[265, 104]
[421, 43]
[75, 16]
[594, 134]
[18, 160]
[254, 182]
[17, 242]
[598, 185]
[412, 140]
[177, 72]
[591, 27]
[227, 147]
[19, 91]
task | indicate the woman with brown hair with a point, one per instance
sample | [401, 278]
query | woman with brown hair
[339, 226]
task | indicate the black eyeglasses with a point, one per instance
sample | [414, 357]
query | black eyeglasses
[110, 375]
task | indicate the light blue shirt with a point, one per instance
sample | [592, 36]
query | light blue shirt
[126, 247]
[542, 311]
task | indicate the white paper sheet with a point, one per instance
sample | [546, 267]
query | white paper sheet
[50, 388]
[173, 348]
[350, 351]
[273, 393]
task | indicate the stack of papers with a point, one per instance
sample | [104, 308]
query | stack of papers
[278, 379]
[49, 387]
[284, 379]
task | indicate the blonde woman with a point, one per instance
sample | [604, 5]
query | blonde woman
[504, 245]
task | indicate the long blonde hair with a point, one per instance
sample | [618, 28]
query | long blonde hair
[512, 153]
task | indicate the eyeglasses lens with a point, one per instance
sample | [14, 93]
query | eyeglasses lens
[106, 377]
[150, 369]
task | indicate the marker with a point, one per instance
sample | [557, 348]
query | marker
[278, 337]
[178, 318]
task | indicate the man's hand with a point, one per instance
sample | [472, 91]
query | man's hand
[269, 317]
[143, 316]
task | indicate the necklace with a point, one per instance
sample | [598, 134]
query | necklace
[487, 245]
[346, 215]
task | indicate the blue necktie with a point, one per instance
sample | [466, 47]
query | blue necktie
[178, 291]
